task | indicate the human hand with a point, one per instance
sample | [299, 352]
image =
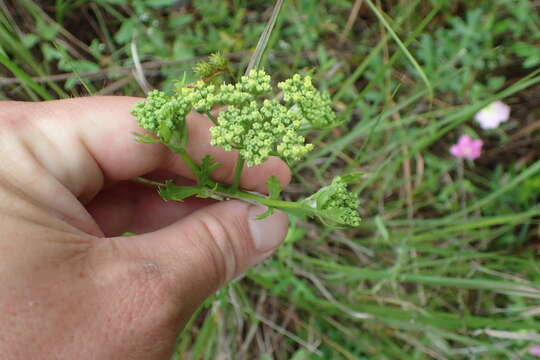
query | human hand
[72, 288]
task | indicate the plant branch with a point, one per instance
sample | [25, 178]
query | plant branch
[211, 117]
[187, 159]
[238, 172]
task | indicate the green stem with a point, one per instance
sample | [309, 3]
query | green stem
[146, 181]
[222, 192]
[238, 172]
[211, 117]
[244, 195]
[187, 159]
[189, 162]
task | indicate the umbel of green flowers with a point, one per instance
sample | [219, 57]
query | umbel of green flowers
[253, 122]
[258, 123]
[336, 202]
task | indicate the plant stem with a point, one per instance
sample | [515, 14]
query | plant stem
[245, 195]
[221, 192]
[189, 162]
[146, 181]
[238, 172]
[211, 117]
[187, 159]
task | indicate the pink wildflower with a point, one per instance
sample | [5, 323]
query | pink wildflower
[467, 148]
[534, 350]
[492, 115]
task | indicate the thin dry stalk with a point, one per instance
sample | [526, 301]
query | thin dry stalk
[350, 21]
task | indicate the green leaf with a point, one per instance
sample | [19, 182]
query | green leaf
[208, 165]
[47, 31]
[78, 66]
[29, 40]
[50, 53]
[179, 21]
[125, 34]
[274, 189]
[177, 193]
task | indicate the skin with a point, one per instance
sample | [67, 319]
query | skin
[71, 286]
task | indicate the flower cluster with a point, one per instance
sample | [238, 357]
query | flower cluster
[257, 82]
[162, 114]
[337, 202]
[205, 97]
[251, 123]
[146, 111]
[258, 132]
[316, 107]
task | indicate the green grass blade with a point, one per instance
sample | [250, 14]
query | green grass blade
[24, 77]
[265, 36]
[403, 48]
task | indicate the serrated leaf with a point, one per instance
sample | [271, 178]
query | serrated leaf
[208, 165]
[274, 189]
[177, 193]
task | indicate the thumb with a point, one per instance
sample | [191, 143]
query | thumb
[204, 250]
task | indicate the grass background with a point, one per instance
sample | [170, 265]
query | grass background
[445, 263]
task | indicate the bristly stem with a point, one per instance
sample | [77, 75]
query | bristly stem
[238, 172]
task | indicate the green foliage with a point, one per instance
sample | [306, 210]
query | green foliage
[457, 55]
[274, 190]
[208, 165]
[177, 193]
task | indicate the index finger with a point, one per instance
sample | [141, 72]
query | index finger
[105, 128]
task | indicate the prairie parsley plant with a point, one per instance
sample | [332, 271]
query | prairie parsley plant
[257, 124]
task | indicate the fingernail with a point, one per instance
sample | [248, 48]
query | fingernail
[267, 233]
